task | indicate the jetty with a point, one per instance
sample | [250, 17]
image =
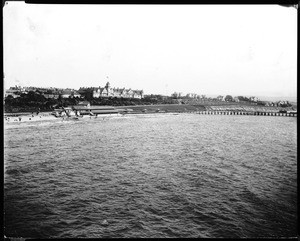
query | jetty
[260, 113]
[213, 110]
[248, 110]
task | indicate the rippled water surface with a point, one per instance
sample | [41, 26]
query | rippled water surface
[154, 175]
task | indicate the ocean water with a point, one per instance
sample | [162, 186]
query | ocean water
[152, 176]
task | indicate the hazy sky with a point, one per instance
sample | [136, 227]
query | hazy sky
[203, 49]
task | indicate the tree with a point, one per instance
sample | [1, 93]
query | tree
[31, 95]
[243, 98]
[263, 103]
[9, 97]
[175, 95]
[228, 98]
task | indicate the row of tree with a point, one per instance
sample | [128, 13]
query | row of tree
[35, 101]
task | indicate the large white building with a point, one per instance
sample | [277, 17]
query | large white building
[108, 91]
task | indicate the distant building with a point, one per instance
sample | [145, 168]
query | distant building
[14, 91]
[51, 96]
[69, 93]
[177, 95]
[66, 93]
[76, 94]
[236, 99]
[84, 103]
[177, 101]
[108, 91]
[253, 99]
[96, 92]
[191, 95]
[221, 98]
[138, 94]
[88, 92]
[11, 93]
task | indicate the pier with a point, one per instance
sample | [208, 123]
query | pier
[257, 113]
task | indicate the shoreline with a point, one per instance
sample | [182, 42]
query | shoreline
[20, 117]
[177, 108]
[39, 118]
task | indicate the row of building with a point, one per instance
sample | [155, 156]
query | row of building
[108, 91]
[219, 98]
[95, 92]
[278, 103]
[54, 93]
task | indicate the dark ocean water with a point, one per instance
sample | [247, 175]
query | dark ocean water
[154, 175]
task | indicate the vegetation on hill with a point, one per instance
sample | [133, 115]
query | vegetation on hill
[34, 101]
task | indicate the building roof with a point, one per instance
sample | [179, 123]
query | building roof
[83, 103]
[93, 108]
[66, 92]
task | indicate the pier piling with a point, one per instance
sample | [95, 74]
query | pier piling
[243, 112]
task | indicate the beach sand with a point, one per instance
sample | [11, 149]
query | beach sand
[29, 118]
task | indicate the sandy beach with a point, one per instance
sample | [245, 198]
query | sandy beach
[29, 117]
[143, 109]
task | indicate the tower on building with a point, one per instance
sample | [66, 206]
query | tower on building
[107, 86]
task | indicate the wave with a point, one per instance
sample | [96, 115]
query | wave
[151, 176]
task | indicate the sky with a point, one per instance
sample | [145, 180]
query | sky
[204, 49]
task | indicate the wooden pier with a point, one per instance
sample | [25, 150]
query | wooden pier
[210, 112]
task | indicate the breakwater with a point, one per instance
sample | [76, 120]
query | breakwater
[214, 109]
[261, 113]
[249, 110]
